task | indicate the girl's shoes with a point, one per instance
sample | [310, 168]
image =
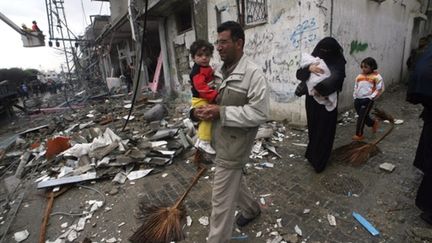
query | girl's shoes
[357, 137]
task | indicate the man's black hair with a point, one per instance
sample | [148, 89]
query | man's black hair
[370, 62]
[235, 28]
[200, 44]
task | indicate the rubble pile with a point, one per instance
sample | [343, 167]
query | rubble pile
[73, 146]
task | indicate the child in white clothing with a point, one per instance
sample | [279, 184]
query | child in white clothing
[330, 102]
[368, 86]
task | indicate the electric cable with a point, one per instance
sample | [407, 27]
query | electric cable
[140, 66]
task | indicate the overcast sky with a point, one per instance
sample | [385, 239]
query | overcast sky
[12, 52]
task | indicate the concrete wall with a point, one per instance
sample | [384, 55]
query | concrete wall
[118, 8]
[382, 31]
[363, 27]
[292, 28]
[200, 19]
[178, 54]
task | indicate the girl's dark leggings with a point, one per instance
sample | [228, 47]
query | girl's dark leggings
[363, 107]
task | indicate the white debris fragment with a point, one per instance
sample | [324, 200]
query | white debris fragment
[120, 178]
[188, 221]
[204, 220]
[258, 234]
[266, 165]
[298, 230]
[44, 177]
[64, 225]
[130, 118]
[317, 203]
[72, 236]
[95, 205]
[331, 219]
[279, 222]
[291, 155]
[81, 224]
[121, 224]
[398, 121]
[164, 175]
[300, 144]
[257, 147]
[387, 167]
[306, 211]
[158, 143]
[137, 174]
[21, 235]
[111, 240]
[262, 201]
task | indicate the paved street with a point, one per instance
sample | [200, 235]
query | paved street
[291, 193]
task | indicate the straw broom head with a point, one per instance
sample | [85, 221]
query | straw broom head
[164, 224]
[355, 153]
[361, 155]
[161, 224]
[358, 153]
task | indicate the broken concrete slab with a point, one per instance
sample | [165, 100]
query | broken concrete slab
[389, 167]
[165, 133]
[11, 183]
[99, 153]
[67, 180]
[157, 112]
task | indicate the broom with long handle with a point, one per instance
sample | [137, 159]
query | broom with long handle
[164, 224]
[359, 155]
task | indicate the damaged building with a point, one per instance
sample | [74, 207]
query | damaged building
[277, 33]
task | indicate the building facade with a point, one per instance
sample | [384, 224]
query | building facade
[277, 33]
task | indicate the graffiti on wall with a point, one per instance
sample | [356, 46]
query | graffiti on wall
[304, 32]
[259, 44]
[277, 51]
[278, 71]
[320, 5]
[357, 46]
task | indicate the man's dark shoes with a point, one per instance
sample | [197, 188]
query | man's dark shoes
[427, 217]
[242, 221]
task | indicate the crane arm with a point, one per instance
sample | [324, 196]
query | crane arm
[12, 24]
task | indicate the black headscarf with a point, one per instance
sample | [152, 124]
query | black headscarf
[420, 85]
[330, 51]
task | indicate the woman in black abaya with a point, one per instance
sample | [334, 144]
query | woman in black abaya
[322, 123]
[420, 92]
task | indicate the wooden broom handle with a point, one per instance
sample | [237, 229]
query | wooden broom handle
[50, 203]
[385, 134]
[44, 224]
[195, 180]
